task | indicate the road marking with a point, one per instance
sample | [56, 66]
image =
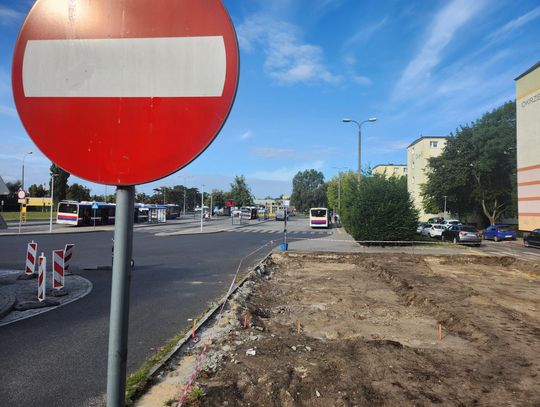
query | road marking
[166, 67]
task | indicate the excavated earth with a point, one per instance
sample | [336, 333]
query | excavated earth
[374, 330]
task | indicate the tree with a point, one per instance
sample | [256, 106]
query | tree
[240, 192]
[381, 209]
[309, 190]
[77, 192]
[37, 191]
[60, 182]
[477, 169]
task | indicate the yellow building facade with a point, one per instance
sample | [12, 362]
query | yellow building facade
[418, 154]
[528, 148]
[390, 170]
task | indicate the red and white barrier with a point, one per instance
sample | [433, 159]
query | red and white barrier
[42, 269]
[68, 252]
[31, 255]
[58, 269]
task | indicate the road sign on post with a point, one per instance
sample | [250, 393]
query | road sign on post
[94, 81]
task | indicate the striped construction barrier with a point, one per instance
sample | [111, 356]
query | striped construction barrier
[68, 252]
[42, 269]
[31, 255]
[58, 269]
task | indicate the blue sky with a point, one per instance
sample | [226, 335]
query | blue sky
[421, 68]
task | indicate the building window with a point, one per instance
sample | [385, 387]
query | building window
[433, 144]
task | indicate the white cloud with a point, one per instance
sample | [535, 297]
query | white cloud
[441, 32]
[361, 80]
[364, 34]
[515, 24]
[9, 15]
[246, 135]
[288, 59]
[287, 173]
[314, 153]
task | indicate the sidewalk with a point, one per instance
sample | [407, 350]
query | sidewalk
[18, 298]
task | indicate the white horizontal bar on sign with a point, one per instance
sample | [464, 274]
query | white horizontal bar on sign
[125, 67]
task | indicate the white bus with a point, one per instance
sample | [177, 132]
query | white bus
[319, 217]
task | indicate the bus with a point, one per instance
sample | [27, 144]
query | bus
[319, 218]
[81, 213]
[75, 213]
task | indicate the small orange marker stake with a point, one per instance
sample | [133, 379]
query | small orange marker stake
[245, 320]
[298, 326]
[193, 329]
[440, 332]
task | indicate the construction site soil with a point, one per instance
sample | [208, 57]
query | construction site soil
[371, 330]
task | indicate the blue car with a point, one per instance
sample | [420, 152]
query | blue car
[500, 232]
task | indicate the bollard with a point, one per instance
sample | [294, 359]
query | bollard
[31, 253]
[42, 269]
[58, 269]
[68, 251]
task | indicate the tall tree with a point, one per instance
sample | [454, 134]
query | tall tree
[37, 191]
[60, 182]
[477, 169]
[240, 192]
[78, 192]
[309, 190]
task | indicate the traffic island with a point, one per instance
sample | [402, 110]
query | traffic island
[18, 298]
[324, 329]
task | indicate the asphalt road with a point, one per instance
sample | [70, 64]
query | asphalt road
[59, 358]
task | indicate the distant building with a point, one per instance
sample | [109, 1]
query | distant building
[390, 170]
[271, 204]
[418, 154]
[528, 148]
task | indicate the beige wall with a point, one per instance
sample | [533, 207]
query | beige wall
[528, 149]
[390, 170]
[417, 161]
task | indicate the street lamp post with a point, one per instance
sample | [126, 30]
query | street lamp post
[22, 187]
[444, 213]
[339, 187]
[22, 180]
[347, 120]
[52, 201]
[202, 206]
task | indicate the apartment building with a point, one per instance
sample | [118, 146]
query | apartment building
[390, 170]
[418, 154]
[528, 147]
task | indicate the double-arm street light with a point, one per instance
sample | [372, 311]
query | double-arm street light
[359, 124]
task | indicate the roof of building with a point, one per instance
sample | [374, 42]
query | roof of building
[532, 68]
[390, 165]
[3, 188]
[425, 137]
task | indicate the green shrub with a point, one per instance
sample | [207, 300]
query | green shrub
[379, 208]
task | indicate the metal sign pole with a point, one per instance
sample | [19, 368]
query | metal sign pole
[121, 276]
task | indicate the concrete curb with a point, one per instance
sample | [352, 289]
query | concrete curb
[204, 320]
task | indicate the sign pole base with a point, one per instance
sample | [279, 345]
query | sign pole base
[121, 276]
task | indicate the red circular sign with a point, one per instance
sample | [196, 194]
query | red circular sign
[125, 92]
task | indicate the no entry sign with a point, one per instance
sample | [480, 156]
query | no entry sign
[125, 92]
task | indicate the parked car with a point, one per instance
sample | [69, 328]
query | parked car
[425, 229]
[436, 230]
[420, 226]
[436, 219]
[500, 232]
[450, 222]
[462, 234]
[532, 239]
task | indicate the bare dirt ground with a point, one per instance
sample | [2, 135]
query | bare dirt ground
[363, 330]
